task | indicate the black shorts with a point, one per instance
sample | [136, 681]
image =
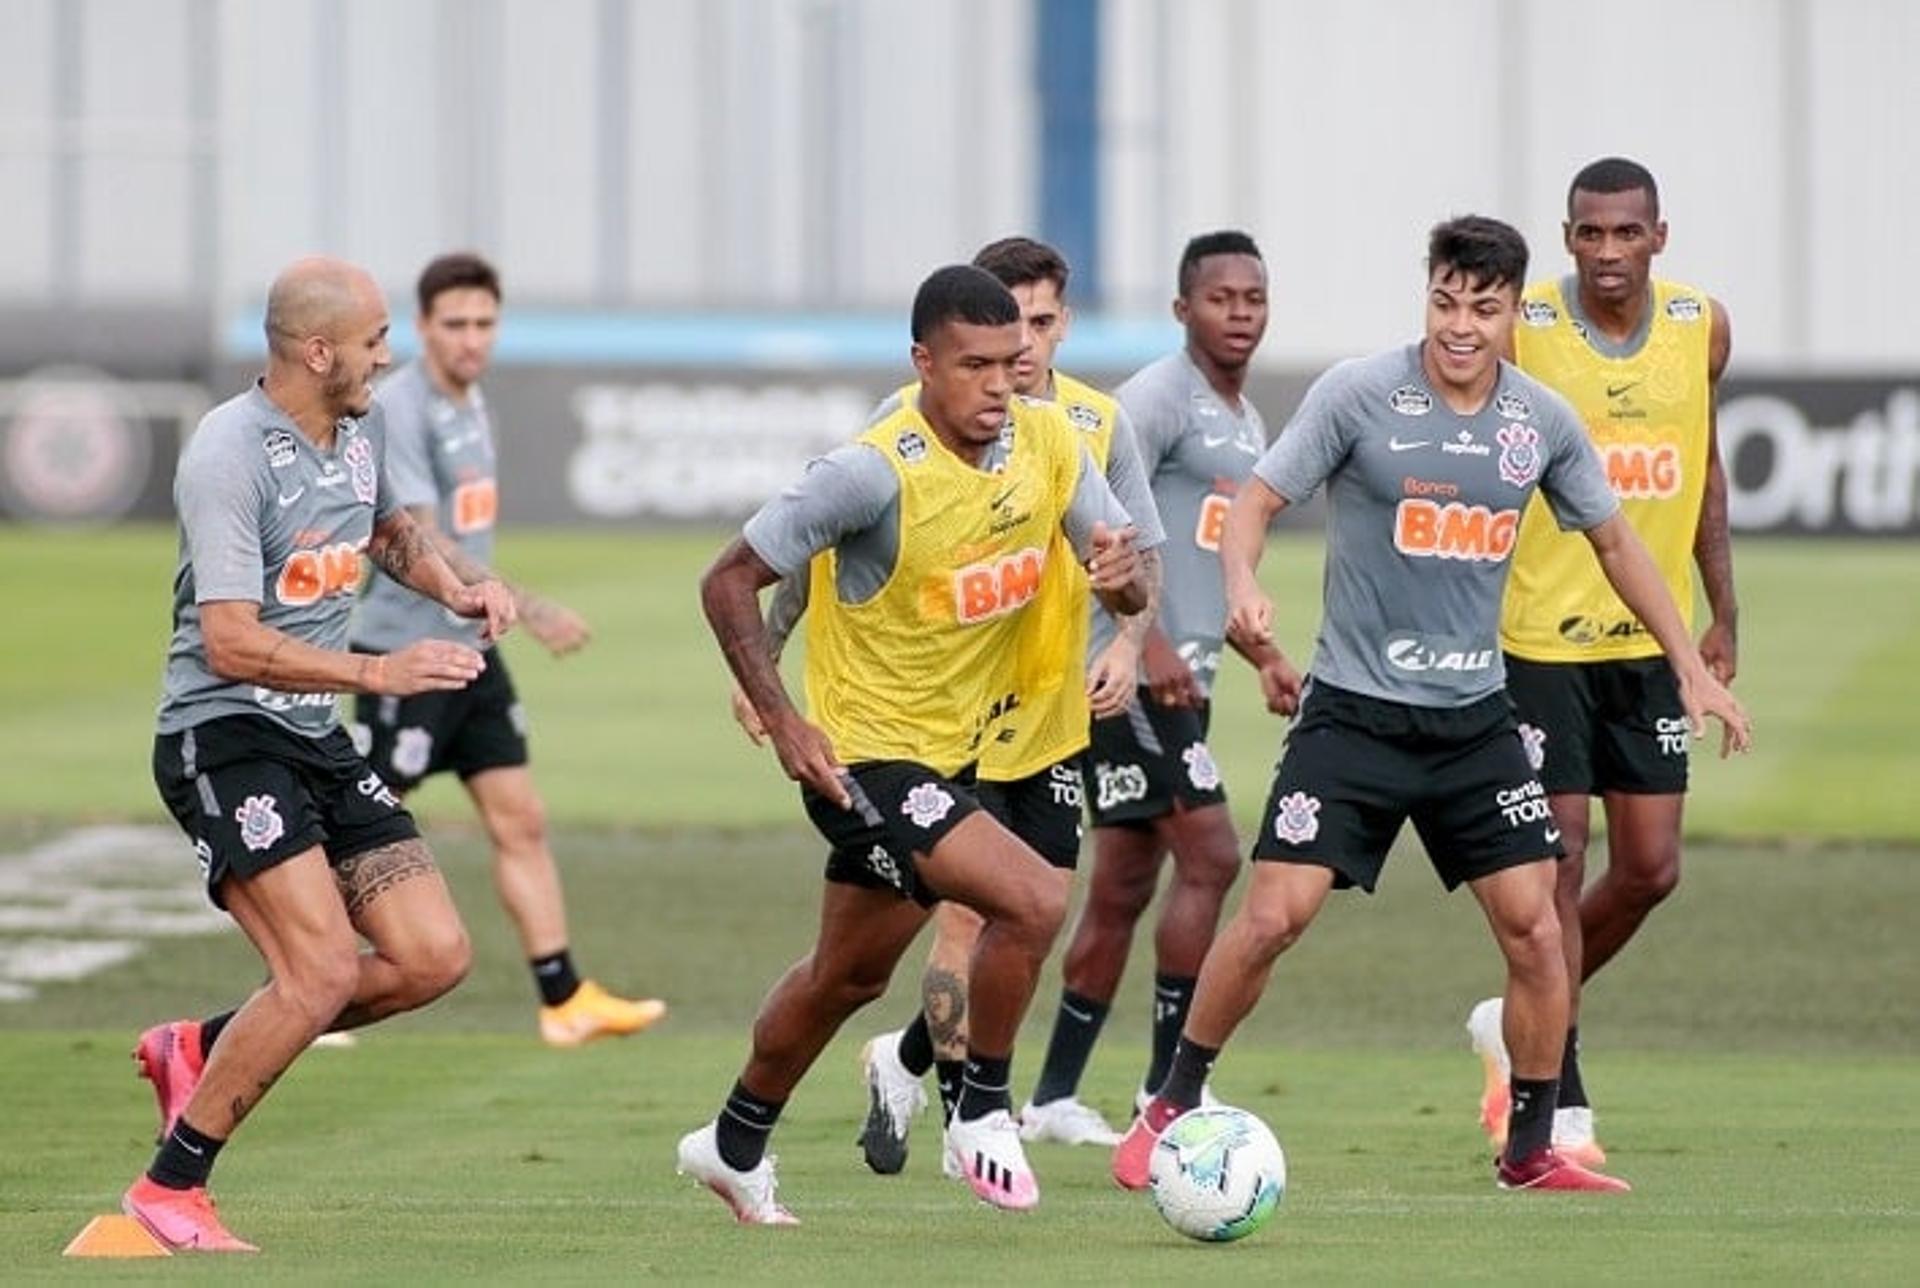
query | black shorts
[466, 730]
[1596, 727]
[900, 812]
[1145, 759]
[1041, 809]
[250, 794]
[1356, 768]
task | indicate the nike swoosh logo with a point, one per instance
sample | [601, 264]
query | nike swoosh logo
[1001, 500]
[1395, 445]
[288, 498]
[1614, 391]
[1085, 1017]
[1553, 834]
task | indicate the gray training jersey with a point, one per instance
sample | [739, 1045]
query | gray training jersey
[440, 455]
[269, 518]
[1196, 451]
[1422, 508]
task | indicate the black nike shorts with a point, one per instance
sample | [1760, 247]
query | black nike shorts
[1356, 767]
[1042, 809]
[250, 794]
[466, 730]
[1596, 727]
[1148, 757]
[900, 812]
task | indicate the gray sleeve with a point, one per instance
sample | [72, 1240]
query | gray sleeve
[840, 493]
[1154, 419]
[1127, 476]
[217, 494]
[1573, 480]
[1313, 443]
[409, 466]
[1093, 502]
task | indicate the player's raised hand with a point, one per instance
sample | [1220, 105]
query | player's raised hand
[1114, 563]
[806, 754]
[1112, 677]
[558, 628]
[1166, 674]
[747, 718]
[1720, 650]
[490, 600]
[1702, 696]
[425, 666]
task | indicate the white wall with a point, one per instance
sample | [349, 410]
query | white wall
[825, 153]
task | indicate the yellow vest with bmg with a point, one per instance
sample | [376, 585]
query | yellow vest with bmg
[1050, 717]
[1649, 416]
[922, 668]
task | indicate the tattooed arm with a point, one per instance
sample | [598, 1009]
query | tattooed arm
[555, 625]
[403, 550]
[242, 649]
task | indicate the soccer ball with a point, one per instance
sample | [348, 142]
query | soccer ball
[1217, 1174]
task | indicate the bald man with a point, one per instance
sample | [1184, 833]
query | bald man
[279, 492]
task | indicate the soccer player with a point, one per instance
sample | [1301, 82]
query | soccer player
[441, 466]
[1153, 783]
[1029, 775]
[1640, 360]
[928, 538]
[279, 492]
[1429, 454]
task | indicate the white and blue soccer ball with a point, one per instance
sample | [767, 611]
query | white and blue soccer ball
[1217, 1174]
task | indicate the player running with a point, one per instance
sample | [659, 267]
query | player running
[1640, 360]
[927, 538]
[279, 492]
[441, 465]
[1429, 453]
[1153, 785]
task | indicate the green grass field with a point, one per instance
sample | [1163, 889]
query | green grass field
[1754, 1056]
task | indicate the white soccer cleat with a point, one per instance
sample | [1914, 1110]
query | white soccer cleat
[1490, 1044]
[749, 1194]
[894, 1098]
[987, 1151]
[1066, 1121]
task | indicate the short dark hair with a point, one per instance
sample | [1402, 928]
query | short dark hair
[1018, 261]
[961, 292]
[458, 271]
[1615, 174]
[1485, 251]
[1227, 241]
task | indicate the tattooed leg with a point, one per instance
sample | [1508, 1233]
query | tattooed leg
[398, 900]
[943, 987]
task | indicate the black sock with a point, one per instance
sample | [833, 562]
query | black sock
[1076, 1027]
[1573, 1092]
[951, 1073]
[1172, 995]
[1187, 1073]
[743, 1126]
[916, 1047]
[185, 1158]
[984, 1087]
[210, 1033]
[553, 976]
[1530, 1128]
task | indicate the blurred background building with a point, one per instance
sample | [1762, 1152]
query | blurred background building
[711, 213]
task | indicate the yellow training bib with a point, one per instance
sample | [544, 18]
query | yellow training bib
[1647, 409]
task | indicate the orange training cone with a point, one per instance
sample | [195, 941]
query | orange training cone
[115, 1236]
